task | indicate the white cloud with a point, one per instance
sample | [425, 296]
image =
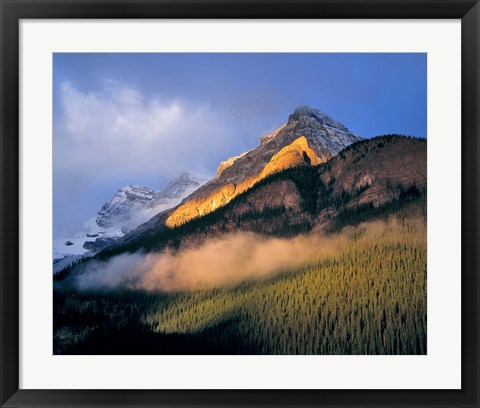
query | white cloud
[115, 131]
[115, 136]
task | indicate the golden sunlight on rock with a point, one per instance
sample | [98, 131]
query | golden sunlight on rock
[295, 154]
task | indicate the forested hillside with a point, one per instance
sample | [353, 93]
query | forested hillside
[368, 298]
[311, 259]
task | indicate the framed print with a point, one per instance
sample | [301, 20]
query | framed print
[239, 204]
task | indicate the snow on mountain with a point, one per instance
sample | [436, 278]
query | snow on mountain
[133, 205]
[123, 204]
[129, 207]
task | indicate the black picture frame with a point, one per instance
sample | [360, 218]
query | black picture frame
[12, 11]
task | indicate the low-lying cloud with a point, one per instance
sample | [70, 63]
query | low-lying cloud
[237, 257]
[232, 259]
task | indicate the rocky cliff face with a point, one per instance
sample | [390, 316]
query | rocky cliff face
[297, 153]
[317, 136]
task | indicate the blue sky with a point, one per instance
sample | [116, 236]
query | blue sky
[143, 118]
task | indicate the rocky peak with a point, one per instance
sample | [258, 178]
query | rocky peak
[301, 111]
[323, 136]
[305, 113]
[133, 204]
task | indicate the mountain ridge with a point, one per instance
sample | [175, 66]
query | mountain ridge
[124, 206]
[364, 177]
[129, 207]
[323, 135]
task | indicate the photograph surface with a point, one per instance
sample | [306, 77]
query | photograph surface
[236, 203]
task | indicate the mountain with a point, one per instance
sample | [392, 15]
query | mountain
[323, 137]
[129, 207]
[132, 205]
[368, 178]
[125, 201]
[225, 283]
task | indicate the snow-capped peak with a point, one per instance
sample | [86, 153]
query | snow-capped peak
[125, 200]
[129, 207]
[133, 205]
